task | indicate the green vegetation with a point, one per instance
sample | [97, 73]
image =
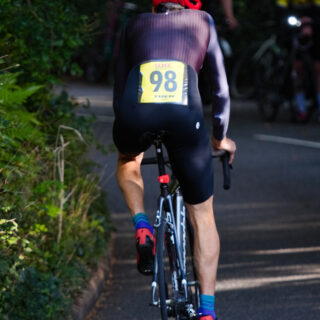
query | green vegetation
[54, 225]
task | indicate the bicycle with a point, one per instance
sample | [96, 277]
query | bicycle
[277, 78]
[242, 80]
[266, 73]
[175, 287]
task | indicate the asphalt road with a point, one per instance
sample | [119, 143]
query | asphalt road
[269, 222]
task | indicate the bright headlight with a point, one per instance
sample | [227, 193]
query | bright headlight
[293, 21]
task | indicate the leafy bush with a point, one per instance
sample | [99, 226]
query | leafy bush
[35, 296]
[53, 221]
[54, 224]
[41, 36]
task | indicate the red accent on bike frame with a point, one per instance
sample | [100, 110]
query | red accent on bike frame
[164, 179]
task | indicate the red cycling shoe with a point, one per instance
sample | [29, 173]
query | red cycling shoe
[145, 251]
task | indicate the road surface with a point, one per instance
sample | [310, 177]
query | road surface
[269, 222]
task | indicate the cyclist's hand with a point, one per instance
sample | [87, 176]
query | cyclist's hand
[225, 144]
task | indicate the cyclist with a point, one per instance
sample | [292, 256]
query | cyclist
[156, 89]
[308, 11]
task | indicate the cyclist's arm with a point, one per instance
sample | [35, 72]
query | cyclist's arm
[227, 7]
[121, 72]
[220, 89]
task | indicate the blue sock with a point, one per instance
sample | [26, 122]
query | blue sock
[207, 306]
[301, 102]
[140, 220]
[318, 98]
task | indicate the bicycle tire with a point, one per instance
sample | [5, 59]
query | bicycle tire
[161, 277]
[186, 249]
[168, 274]
[242, 80]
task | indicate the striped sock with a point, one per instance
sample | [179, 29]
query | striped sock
[207, 306]
[140, 220]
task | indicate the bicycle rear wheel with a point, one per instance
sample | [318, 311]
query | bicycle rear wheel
[171, 300]
[163, 292]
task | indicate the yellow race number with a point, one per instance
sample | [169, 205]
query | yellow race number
[163, 81]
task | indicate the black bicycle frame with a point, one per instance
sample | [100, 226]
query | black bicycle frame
[165, 206]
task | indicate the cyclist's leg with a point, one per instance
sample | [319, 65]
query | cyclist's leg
[206, 244]
[300, 97]
[130, 181]
[131, 184]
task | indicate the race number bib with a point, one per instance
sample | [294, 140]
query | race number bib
[163, 81]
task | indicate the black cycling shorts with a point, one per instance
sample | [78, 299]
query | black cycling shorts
[187, 142]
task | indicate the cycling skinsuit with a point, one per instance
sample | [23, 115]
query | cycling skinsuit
[176, 43]
[301, 8]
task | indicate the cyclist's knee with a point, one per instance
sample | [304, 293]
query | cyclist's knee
[206, 204]
[201, 212]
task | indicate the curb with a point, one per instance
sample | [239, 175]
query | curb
[84, 304]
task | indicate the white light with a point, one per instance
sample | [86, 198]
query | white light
[293, 21]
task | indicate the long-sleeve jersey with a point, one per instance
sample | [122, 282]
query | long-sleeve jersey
[185, 35]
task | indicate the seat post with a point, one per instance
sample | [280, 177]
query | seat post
[161, 165]
[159, 152]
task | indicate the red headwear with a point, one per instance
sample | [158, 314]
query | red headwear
[191, 4]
